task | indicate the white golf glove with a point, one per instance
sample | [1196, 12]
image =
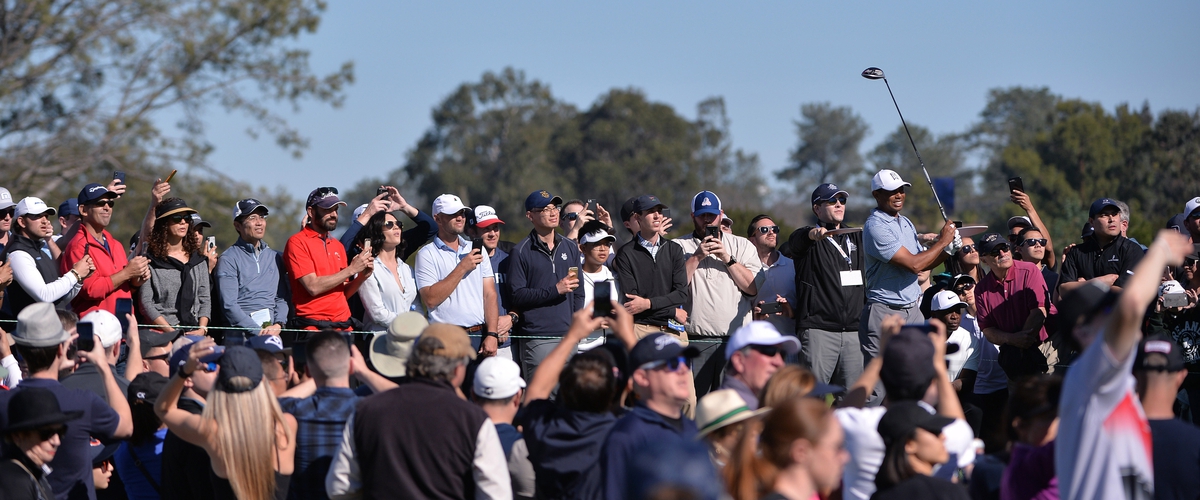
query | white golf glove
[955, 245]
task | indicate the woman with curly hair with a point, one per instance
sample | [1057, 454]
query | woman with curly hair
[177, 292]
[391, 289]
[250, 442]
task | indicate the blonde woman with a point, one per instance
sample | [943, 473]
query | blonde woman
[249, 441]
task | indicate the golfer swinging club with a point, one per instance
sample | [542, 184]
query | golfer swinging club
[893, 259]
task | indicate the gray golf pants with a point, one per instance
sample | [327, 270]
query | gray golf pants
[834, 357]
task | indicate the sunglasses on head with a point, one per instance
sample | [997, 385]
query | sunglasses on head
[47, 433]
[326, 191]
[839, 200]
[391, 224]
[768, 229]
[769, 351]
[966, 249]
[671, 365]
[1034, 242]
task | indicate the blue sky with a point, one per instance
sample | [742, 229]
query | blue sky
[764, 58]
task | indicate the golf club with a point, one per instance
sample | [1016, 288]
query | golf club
[874, 73]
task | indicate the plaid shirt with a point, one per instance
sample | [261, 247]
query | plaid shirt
[320, 420]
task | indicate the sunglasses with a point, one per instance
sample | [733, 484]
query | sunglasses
[1034, 242]
[33, 217]
[393, 224]
[671, 365]
[104, 203]
[6, 213]
[162, 357]
[840, 200]
[177, 218]
[964, 288]
[966, 249]
[1190, 262]
[769, 351]
[547, 208]
[999, 250]
[572, 216]
[326, 191]
[768, 229]
[1194, 215]
[47, 433]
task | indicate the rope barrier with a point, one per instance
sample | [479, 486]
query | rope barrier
[354, 332]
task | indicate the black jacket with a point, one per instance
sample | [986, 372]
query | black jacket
[17, 296]
[1089, 260]
[821, 300]
[664, 281]
[22, 481]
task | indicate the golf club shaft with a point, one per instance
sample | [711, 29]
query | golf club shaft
[914, 146]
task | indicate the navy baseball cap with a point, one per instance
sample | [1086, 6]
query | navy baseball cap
[1087, 230]
[706, 202]
[1099, 205]
[628, 208]
[646, 202]
[265, 343]
[539, 199]
[658, 347]
[1176, 223]
[324, 197]
[92, 193]
[990, 242]
[248, 206]
[180, 357]
[826, 192]
[236, 364]
[69, 207]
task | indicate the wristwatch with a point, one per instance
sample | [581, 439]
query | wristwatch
[731, 262]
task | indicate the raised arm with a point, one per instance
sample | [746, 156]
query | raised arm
[929, 259]
[116, 397]
[189, 427]
[1124, 327]
[546, 376]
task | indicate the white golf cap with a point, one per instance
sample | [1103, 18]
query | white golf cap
[887, 180]
[498, 378]
[32, 206]
[105, 327]
[1019, 220]
[1170, 286]
[1191, 206]
[760, 333]
[945, 300]
[596, 236]
[5, 199]
[358, 211]
[486, 216]
[448, 204]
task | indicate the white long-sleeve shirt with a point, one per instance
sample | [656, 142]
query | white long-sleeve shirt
[26, 273]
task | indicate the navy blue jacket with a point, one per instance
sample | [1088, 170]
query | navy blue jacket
[533, 276]
[632, 432]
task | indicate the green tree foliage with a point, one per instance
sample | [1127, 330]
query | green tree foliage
[84, 80]
[943, 157]
[827, 148]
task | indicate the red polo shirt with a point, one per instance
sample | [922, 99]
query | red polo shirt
[307, 252]
[98, 291]
[1006, 305]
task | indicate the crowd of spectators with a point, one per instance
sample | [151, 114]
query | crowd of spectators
[580, 361]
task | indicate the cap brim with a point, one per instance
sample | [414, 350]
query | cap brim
[740, 417]
[489, 223]
[386, 364]
[326, 204]
[52, 212]
[45, 420]
[791, 345]
[179, 210]
[935, 423]
[451, 211]
[7, 204]
[822, 389]
[832, 196]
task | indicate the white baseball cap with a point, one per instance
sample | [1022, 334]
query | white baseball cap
[498, 378]
[486, 216]
[887, 180]
[1191, 206]
[1170, 286]
[596, 236]
[359, 211]
[5, 199]
[105, 327]
[31, 205]
[945, 300]
[760, 333]
[448, 204]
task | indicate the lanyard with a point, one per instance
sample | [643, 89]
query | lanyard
[843, 252]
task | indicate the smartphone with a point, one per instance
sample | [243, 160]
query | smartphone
[299, 355]
[714, 231]
[477, 244]
[573, 272]
[602, 302]
[666, 213]
[1015, 184]
[87, 339]
[770, 307]
[119, 176]
[212, 242]
[171, 176]
[349, 339]
[590, 205]
[1175, 300]
[380, 191]
[124, 307]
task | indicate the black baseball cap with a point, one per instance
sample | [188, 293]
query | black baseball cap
[172, 206]
[1159, 353]
[628, 208]
[907, 360]
[1176, 223]
[146, 387]
[1087, 230]
[658, 347]
[989, 242]
[239, 363]
[905, 417]
[1083, 302]
[150, 339]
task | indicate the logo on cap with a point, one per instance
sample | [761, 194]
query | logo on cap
[94, 188]
[705, 203]
[833, 186]
[894, 175]
[141, 395]
[664, 341]
[544, 194]
[1161, 346]
[275, 341]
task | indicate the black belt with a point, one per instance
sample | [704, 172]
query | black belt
[301, 322]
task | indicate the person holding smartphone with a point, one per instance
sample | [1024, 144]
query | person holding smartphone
[177, 295]
[36, 274]
[116, 274]
[391, 290]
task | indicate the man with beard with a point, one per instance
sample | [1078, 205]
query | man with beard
[321, 278]
[455, 281]
[36, 274]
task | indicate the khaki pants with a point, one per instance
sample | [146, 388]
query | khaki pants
[641, 331]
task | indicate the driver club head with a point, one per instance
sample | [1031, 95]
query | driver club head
[873, 73]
